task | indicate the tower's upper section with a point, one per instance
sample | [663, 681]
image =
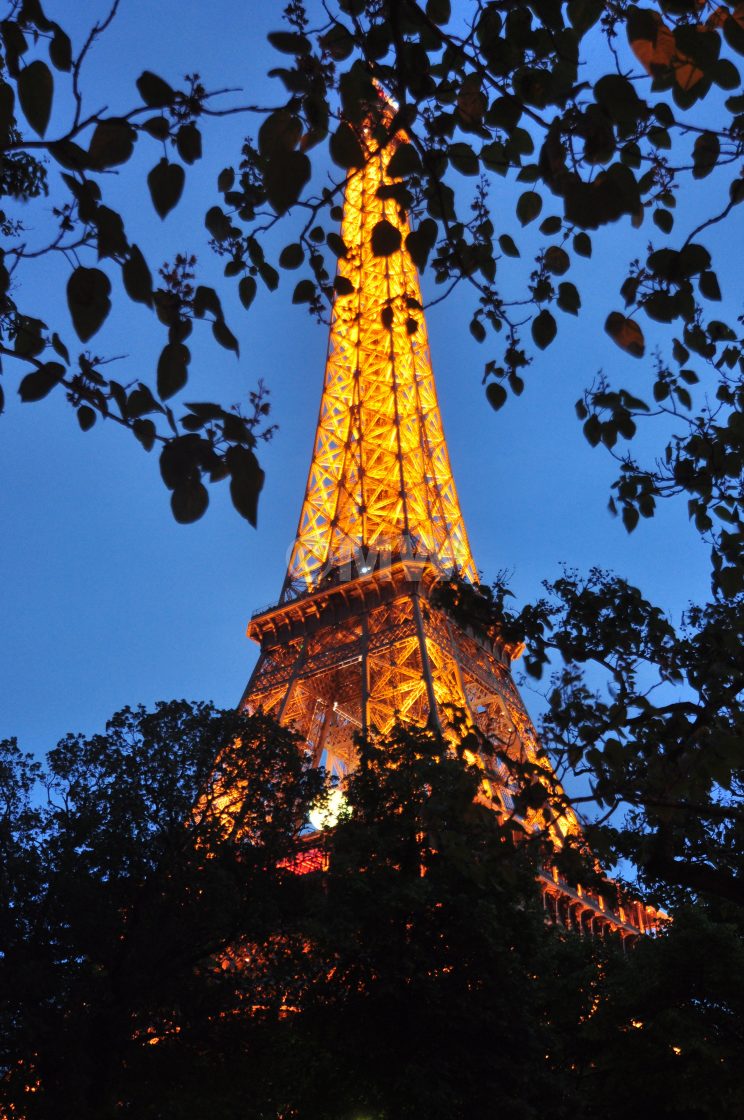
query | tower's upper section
[380, 481]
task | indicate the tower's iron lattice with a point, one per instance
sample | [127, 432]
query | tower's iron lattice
[356, 641]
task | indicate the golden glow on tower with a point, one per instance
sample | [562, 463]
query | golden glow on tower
[361, 638]
[380, 479]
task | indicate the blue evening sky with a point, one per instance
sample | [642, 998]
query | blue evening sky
[105, 599]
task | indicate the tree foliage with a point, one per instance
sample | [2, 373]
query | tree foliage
[607, 113]
[130, 862]
[604, 113]
[42, 77]
[642, 723]
[162, 957]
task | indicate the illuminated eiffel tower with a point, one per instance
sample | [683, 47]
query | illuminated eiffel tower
[357, 641]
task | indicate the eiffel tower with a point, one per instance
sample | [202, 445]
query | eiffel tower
[357, 640]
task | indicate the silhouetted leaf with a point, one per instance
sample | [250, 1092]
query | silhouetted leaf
[269, 276]
[343, 286]
[528, 207]
[88, 291]
[137, 278]
[472, 103]
[225, 179]
[247, 291]
[463, 158]
[583, 14]
[218, 223]
[626, 333]
[345, 147]
[291, 256]
[285, 176]
[189, 501]
[60, 49]
[404, 161]
[35, 91]
[336, 244]
[544, 329]
[189, 142]
[289, 42]
[496, 394]
[59, 348]
[224, 335]
[421, 241]
[172, 369]
[708, 284]
[557, 260]
[617, 96]
[36, 385]
[206, 299]
[86, 417]
[280, 132]
[145, 432]
[664, 220]
[582, 244]
[112, 241]
[705, 153]
[112, 143]
[338, 42]
[630, 517]
[166, 182]
[386, 238]
[154, 91]
[551, 225]
[733, 31]
[494, 156]
[568, 298]
[693, 258]
[246, 481]
[477, 330]
[29, 338]
[507, 245]
[304, 292]
[725, 74]
[157, 127]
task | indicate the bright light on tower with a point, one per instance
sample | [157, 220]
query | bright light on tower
[328, 812]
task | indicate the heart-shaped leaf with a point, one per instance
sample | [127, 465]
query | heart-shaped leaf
[36, 385]
[35, 91]
[627, 334]
[544, 329]
[189, 502]
[172, 369]
[166, 182]
[88, 292]
[386, 239]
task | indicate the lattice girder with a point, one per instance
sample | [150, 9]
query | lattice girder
[356, 641]
[380, 476]
[377, 650]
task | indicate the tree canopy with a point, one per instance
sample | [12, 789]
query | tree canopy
[130, 861]
[162, 956]
[642, 722]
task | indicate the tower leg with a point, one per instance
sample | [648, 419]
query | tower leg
[426, 664]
